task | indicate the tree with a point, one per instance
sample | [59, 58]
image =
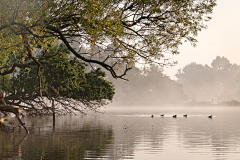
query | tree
[147, 88]
[228, 78]
[63, 80]
[139, 31]
[199, 82]
[219, 81]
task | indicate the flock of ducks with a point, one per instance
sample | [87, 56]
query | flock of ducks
[175, 116]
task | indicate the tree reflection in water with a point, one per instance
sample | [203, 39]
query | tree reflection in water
[68, 141]
[11, 145]
[129, 134]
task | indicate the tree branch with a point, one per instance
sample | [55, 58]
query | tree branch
[106, 66]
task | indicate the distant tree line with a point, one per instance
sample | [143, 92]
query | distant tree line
[195, 84]
[147, 87]
[218, 83]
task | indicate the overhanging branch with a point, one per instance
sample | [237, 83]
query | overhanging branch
[104, 65]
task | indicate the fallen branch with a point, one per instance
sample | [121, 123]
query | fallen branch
[16, 111]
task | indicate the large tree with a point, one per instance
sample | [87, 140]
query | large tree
[143, 30]
[63, 79]
[138, 31]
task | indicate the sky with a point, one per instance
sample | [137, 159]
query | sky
[221, 38]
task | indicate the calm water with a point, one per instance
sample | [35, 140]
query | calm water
[129, 133]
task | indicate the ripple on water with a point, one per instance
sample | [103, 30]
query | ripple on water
[130, 134]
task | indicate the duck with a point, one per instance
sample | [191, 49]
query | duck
[152, 116]
[185, 115]
[210, 116]
[162, 115]
[174, 116]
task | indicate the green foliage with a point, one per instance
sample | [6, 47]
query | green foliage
[63, 77]
[112, 34]
[5, 82]
[139, 30]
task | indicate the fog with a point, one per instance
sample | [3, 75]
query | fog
[221, 38]
[215, 84]
[146, 87]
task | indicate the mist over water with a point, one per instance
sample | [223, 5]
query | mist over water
[131, 133]
[195, 84]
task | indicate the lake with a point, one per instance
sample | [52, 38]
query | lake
[123, 133]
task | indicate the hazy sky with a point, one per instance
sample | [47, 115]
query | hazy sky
[221, 38]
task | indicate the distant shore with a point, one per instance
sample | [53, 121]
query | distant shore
[193, 103]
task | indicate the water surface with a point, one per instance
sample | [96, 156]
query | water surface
[129, 133]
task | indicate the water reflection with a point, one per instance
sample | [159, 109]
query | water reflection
[129, 134]
[71, 139]
[11, 145]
